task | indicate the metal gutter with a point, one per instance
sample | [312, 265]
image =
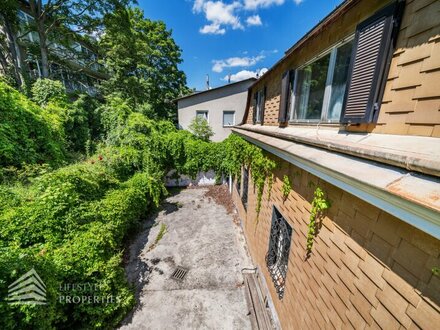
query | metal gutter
[395, 191]
[413, 153]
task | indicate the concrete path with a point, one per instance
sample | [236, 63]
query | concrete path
[202, 237]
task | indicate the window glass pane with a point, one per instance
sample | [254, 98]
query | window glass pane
[259, 106]
[228, 118]
[311, 88]
[202, 114]
[339, 83]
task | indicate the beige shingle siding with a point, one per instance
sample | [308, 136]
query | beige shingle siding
[411, 101]
[411, 104]
[367, 267]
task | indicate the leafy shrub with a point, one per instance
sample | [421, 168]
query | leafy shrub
[28, 133]
[72, 227]
[47, 90]
[201, 129]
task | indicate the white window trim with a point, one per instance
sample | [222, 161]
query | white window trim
[328, 85]
[233, 120]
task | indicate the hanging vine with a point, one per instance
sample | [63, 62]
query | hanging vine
[287, 187]
[319, 205]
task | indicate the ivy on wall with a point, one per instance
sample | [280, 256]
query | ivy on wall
[319, 205]
[287, 187]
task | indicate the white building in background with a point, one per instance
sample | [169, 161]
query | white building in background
[223, 107]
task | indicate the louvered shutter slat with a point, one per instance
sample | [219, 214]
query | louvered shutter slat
[282, 115]
[372, 51]
[263, 105]
[254, 113]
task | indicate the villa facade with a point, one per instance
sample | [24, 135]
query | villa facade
[353, 108]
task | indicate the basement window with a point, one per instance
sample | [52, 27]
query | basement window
[277, 257]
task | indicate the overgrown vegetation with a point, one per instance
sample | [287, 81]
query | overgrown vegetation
[79, 172]
[70, 221]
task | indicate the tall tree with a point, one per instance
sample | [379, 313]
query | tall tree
[55, 20]
[142, 58]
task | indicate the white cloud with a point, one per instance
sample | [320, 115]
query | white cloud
[255, 4]
[198, 6]
[218, 14]
[221, 14]
[212, 29]
[232, 62]
[254, 20]
[245, 74]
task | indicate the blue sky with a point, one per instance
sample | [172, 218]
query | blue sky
[234, 37]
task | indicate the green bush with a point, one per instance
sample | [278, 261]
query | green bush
[47, 90]
[72, 226]
[201, 129]
[28, 133]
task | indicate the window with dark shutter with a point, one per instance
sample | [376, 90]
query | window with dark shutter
[282, 116]
[369, 66]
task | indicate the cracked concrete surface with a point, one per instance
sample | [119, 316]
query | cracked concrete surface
[200, 236]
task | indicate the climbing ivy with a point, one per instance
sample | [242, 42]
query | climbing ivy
[319, 205]
[287, 187]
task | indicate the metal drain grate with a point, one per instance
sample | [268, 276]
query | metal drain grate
[179, 273]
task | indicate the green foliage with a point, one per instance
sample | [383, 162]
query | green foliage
[319, 205]
[436, 271]
[72, 228]
[47, 90]
[199, 126]
[287, 187]
[28, 133]
[71, 223]
[143, 59]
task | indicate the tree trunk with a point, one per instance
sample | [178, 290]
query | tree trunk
[43, 50]
[39, 17]
[14, 56]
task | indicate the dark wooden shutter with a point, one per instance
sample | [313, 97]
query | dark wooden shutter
[282, 116]
[369, 66]
[254, 113]
[263, 104]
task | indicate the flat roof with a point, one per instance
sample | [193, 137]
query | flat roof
[214, 89]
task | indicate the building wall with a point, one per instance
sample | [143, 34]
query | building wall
[367, 268]
[230, 98]
[411, 102]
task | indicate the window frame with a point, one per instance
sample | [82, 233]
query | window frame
[202, 112]
[332, 50]
[233, 120]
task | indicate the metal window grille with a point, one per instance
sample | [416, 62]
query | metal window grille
[277, 256]
[244, 193]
